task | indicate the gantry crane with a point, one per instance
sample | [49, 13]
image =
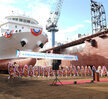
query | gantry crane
[53, 20]
[98, 17]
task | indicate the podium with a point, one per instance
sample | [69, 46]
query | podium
[96, 76]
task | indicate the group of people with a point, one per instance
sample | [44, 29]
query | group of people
[16, 70]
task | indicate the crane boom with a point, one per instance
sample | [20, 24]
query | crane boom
[54, 15]
[53, 20]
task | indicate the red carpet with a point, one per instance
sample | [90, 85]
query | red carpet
[78, 82]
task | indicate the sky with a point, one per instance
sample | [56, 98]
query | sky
[74, 19]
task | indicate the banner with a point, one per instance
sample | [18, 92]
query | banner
[26, 54]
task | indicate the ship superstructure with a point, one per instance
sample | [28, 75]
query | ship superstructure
[18, 24]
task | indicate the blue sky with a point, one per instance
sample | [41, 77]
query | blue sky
[75, 14]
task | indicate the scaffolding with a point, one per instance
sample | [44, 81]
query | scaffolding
[98, 17]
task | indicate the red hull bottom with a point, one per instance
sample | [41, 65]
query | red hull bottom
[93, 54]
[4, 63]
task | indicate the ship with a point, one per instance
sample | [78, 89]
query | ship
[19, 32]
[92, 50]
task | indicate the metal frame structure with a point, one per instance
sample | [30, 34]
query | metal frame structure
[98, 17]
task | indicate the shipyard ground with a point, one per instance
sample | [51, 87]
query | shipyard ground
[39, 88]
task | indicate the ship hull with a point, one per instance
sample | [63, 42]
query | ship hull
[91, 55]
[8, 46]
[4, 63]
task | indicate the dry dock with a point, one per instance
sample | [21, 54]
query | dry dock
[39, 88]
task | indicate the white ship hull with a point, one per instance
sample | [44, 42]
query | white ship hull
[8, 46]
